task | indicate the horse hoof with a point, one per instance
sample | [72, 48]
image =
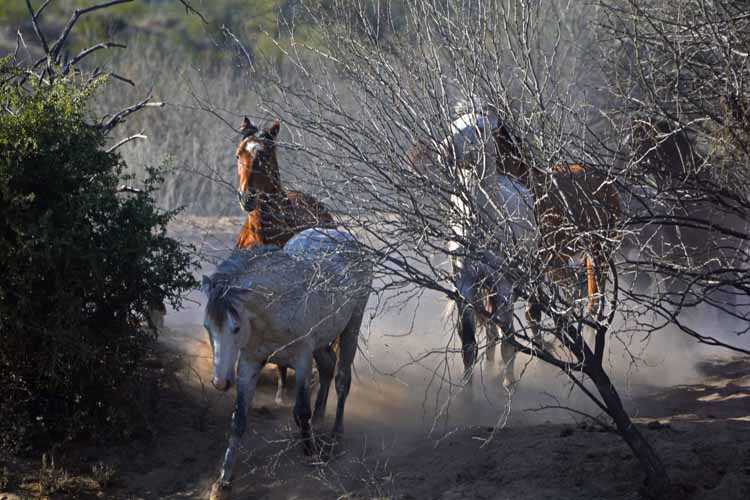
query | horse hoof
[221, 491]
[309, 448]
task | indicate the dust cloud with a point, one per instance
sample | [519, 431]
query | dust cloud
[408, 371]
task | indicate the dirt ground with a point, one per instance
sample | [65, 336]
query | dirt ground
[398, 444]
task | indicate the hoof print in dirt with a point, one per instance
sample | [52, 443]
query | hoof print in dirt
[566, 432]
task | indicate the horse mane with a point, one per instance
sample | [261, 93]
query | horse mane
[231, 280]
[473, 104]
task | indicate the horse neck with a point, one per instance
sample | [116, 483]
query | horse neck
[275, 187]
[251, 234]
[515, 169]
[267, 223]
[509, 157]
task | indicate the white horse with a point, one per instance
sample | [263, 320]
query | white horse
[494, 215]
[286, 306]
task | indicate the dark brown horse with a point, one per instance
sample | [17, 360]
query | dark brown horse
[679, 201]
[274, 215]
[578, 213]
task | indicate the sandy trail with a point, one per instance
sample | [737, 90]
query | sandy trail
[409, 435]
[404, 441]
[701, 430]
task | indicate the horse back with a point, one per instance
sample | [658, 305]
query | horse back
[306, 211]
[581, 202]
[279, 221]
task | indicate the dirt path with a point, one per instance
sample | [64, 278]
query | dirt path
[395, 446]
[702, 432]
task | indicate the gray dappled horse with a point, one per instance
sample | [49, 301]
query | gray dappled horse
[287, 307]
[496, 213]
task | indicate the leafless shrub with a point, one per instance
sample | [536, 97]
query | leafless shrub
[677, 82]
[363, 105]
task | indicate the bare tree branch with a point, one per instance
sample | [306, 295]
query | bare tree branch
[86, 52]
[126, 140]
[54, 54]
[121, 115]
[41, 8]
[38, 32]
[124, 188]
[190, 9]
[241, 46]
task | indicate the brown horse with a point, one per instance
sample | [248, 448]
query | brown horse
[578, 211]
[274, 215]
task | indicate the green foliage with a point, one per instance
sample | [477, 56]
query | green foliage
[261, 24]
[12, 12]
[80, 265]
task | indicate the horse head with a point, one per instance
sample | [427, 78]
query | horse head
[478, 135]
[228, 327]
[509, 159]
[257, 168]
[662, 151]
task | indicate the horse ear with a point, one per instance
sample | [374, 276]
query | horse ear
[273, 130]
[247, 128]
[206, 285]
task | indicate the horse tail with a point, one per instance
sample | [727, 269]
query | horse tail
[591, 282]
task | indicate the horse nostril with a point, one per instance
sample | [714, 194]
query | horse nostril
[221, 385]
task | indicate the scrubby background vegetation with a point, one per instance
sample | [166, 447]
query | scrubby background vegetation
[194, 64]
[81, 262]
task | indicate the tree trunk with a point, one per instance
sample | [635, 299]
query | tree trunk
[657, 481]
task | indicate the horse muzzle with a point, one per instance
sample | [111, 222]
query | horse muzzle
[247, 200]
[221, 384]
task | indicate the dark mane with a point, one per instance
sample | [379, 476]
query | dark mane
[222, 303]
[227, 280]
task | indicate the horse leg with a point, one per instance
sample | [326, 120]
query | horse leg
[491, 331]
[601, 269]
[347, 350]
[325, 358]
[467, 325]
[596, 275]
[467, 334]
[281, 385]
[508, 355]
[602, 266]
[534, 318]
[503, 317]
[247, 379]
[302, 413]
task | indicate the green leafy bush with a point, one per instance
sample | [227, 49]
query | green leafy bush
[80, 264]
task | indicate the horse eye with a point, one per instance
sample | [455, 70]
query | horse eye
[236, 330]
